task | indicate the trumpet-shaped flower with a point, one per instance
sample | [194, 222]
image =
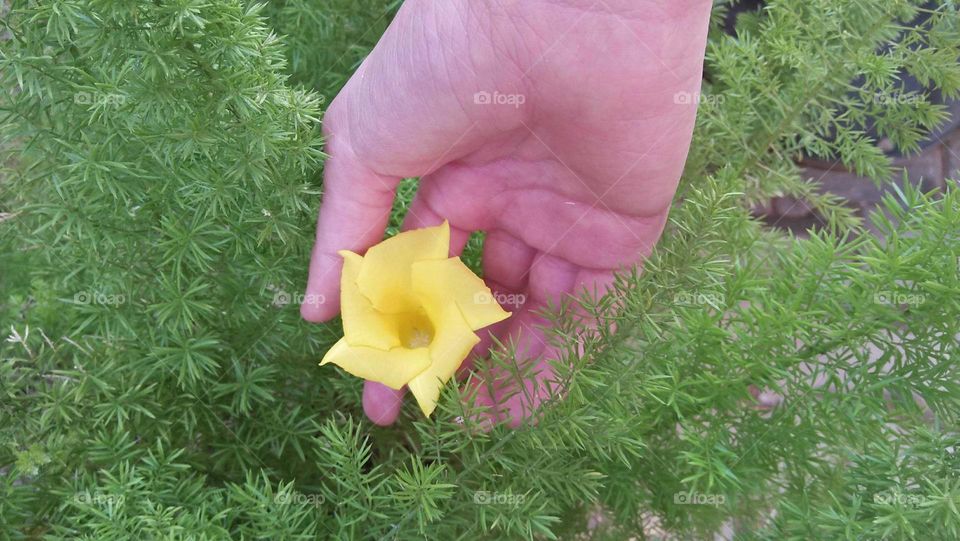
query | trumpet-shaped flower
[410, 312]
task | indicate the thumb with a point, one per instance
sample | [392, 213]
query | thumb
[381, 403]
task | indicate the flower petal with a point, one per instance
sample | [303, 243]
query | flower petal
[440, 281]
[362, 324]
[394, 368]
[385, 273]
[451, 344]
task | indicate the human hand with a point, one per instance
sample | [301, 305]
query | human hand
[559, 127]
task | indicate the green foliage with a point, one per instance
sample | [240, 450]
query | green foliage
[162, 167]
[325, 44]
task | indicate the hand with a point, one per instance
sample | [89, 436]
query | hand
[558, 127]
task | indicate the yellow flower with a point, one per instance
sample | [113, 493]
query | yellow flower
[409, 313]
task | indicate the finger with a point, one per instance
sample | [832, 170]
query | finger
[594, 283]
[551, 279]
[514, 388]
[513, 396]
[381, 403]
[506, 263]
[506, 266]
[590, 287]
[353, 216]
[591, 236]
[420, 215]
[487, 336]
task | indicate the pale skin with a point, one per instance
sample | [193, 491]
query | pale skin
[569, 167]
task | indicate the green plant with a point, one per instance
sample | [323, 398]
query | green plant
[162, 174]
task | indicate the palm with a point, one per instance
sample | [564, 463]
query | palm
[565, 151]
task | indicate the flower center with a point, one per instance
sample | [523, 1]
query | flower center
[419, 339]
[416, 330]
